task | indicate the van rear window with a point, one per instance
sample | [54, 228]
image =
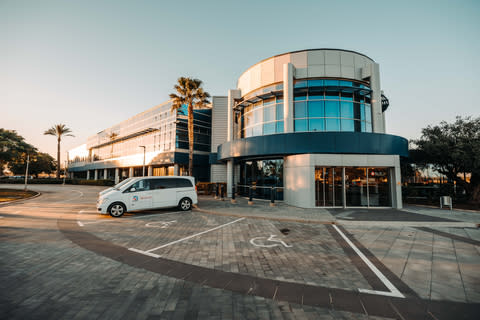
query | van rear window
[170, 183]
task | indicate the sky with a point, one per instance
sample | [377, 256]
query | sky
[92, 64]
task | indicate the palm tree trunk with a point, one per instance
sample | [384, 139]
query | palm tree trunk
[190, 139]
[58, 158]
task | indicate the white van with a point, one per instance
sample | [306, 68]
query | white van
[143, 193]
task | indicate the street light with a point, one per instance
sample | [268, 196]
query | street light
[143, 169]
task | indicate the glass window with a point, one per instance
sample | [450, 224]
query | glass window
[279, 86]
[268, 101]
[257, 130]
[347, 96]
[269, 128]
[279, 99]
[316, 124]
[368, 113]
[348, 125]
[346, 110]
[314, 95]
[279, 111]
[316, 109]
[300, 110]
[332, 109]
[257, 116]
[280, 126]
[332, 124]
[332, 95]
[331, 82]
[315, 83]
[362, 112]
[300, 97]
[363, 126]
[300, 84]
[269, 114]
[248, 132]
[368, 127]
[346, 84]
[301, 125]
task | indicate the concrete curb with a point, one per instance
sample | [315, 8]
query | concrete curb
[263, 217]
[18, 200]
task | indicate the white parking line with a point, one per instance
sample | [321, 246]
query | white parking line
[393, 290]
[149, 252]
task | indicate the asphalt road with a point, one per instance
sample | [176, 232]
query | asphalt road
[62, 260]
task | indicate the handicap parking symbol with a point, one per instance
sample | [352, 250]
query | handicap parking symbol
[266, 242]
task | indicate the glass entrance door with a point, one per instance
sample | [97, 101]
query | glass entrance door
[328, 187]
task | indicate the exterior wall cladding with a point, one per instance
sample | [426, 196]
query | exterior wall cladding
[310, 127]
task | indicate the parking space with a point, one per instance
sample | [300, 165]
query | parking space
[303, 254]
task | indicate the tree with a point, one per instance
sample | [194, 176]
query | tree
[59, 130]
[189, 92]
[453, 149]
[12, 147]
[39, 163]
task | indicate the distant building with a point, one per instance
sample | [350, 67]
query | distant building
[116, 153]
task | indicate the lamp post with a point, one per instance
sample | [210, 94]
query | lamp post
[26, 172]
[143, 169]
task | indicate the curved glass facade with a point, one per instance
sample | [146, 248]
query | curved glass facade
[261, 118]
[331, 105]
[319, 105]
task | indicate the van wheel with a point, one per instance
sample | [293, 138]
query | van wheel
[117, 209]
[185, 204]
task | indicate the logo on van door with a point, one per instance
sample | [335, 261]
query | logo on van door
[135, 198]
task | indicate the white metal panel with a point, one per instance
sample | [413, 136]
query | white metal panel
[332, 57]
[278, 66]
[347, 58]
[299, 59]
[255, 77]
[332, 71]
[347, 72]
[268, 71]
[315, 57]
[316, 71]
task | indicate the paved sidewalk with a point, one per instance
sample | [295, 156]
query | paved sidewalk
[261, 209]
[414, 216]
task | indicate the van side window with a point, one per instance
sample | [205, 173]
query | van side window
[183, 183]
[163, 183]
[141, 185]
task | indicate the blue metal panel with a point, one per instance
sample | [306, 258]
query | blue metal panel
[314, 142]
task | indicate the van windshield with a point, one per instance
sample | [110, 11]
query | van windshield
[121, 184]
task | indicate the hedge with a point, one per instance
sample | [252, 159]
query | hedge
[59, 181]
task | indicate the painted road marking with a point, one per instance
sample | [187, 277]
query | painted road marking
[393, 290]
[160, 224]
[254, 241]
[149, 252]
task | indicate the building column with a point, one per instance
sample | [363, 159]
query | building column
[150, 171]
[288, 97]
[95, 174]
[344, 190]
[130, 172]
[105, 173]
[117, 177]
[376, 102]
[175, 169]
[232, 95]
[230, 178]
[88, 174]
[396, 185]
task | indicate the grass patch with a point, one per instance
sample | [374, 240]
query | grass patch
[10, 194]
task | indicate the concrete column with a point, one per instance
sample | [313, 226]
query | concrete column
[230, 179]
[396, 185]
[105, 173]
[117, 177]
[232, 94]
[344, 191]
[288, 97]
[88, 174]
[150, 171]
[175, 170]
[95, 174]
[130, 172]
[377, 114]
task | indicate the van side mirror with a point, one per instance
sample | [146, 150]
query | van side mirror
[132, 189]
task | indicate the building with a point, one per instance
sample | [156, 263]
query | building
[311, 124]
[307, 126]
[155, 141]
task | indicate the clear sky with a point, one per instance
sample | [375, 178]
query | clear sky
[92, 64]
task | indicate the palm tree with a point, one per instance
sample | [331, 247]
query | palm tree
[59, 130]
[189, 93]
